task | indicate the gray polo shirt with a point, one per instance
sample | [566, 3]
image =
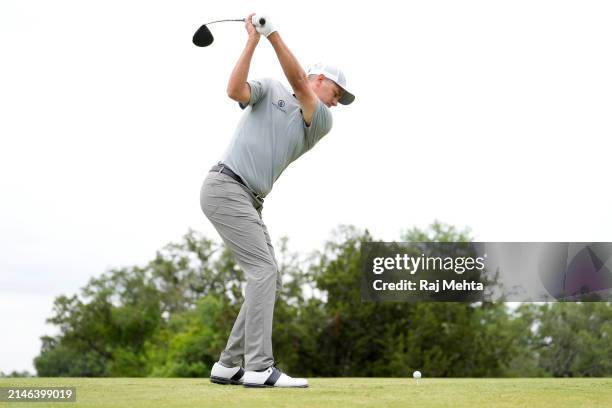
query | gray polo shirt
[271, 134]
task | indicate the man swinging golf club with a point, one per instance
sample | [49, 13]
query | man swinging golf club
[278, 126]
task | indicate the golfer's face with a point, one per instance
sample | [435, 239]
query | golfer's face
[330, 93]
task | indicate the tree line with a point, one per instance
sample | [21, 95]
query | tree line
[171, 318]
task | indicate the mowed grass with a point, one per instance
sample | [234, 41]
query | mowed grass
[328, 393]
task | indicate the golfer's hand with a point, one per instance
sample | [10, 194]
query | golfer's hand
[248, 24]
[265, 29]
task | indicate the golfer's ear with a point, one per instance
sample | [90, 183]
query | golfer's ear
[320, 78]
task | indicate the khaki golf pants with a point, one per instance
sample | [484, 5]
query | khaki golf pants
[235, 212]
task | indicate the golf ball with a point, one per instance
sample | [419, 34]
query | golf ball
[416, 375]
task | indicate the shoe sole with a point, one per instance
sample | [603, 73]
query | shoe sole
[224, 381]
[251, 385]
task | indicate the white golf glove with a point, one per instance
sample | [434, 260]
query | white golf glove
[264, 29]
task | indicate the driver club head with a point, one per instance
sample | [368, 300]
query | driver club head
[203, 37]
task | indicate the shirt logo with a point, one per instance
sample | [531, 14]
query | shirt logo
[280, 105]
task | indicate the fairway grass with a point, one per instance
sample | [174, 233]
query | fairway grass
[327, 393]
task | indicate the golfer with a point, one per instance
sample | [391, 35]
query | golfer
[277, 127]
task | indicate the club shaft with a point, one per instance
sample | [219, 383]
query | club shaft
[220, 21]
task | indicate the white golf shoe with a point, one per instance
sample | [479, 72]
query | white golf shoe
[272, 377]
[224, 375]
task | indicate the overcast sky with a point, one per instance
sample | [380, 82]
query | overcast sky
[493, 115]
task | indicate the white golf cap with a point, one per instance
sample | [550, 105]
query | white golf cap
[336, 75]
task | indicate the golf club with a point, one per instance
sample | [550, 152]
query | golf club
[203, 37]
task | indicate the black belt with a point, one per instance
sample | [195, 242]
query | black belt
[222, 168]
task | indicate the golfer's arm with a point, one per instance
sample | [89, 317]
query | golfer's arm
[295, 75]
[237, 88]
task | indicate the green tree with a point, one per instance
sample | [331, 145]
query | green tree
[574, 339]
[108, 325]
[392, 339]
[104, 331]
[16, 374]
[526, 346]
[190, 343]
